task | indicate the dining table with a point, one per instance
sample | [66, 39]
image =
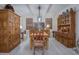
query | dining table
[39, 35]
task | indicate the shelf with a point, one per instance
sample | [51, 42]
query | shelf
[64, 25]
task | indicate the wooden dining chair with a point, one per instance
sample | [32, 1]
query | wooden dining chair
[38, 43]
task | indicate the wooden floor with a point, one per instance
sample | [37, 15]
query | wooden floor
[55, 48]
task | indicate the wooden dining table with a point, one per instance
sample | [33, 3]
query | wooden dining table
[39, 35]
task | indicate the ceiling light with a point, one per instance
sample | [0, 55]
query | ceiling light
[39, 18]
[48, 25]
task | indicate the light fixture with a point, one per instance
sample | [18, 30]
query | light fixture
[39, 18]
[48, 26]
[20, 27]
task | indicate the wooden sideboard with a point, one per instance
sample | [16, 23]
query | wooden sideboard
[66, 39]
[9, 30]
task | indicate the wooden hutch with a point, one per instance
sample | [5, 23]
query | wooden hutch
[9, 30]
[66, 28]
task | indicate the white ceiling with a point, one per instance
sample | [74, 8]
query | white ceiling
[31, 10]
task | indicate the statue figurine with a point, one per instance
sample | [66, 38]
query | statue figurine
[9, 6]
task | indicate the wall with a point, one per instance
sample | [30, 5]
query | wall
[2, 6]
[23, 23]
[77, 22]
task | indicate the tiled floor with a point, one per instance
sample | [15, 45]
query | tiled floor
[55, 48]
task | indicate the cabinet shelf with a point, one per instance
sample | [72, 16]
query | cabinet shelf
[64, 25]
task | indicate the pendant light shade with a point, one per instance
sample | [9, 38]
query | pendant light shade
[39, 18]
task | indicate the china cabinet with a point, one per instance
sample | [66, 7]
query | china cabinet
[66, 28]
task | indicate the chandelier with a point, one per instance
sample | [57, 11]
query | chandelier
[39, 18]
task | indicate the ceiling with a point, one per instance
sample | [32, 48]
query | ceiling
[31, 10]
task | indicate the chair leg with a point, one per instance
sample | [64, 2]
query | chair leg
[42, 51]
[34, 51]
